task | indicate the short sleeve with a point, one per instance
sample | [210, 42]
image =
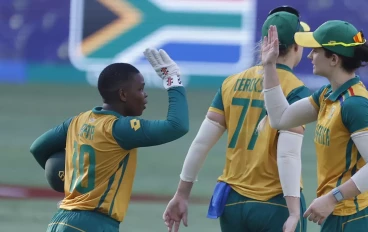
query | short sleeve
[314, 99]
[217, 104]
[353, 119]
[298, 94]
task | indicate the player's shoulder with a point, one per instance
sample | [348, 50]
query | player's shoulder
[288, 79]
[355, 102]
[252, 72]
[358, 89]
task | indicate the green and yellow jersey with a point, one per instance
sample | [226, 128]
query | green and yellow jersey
[101, 153]
[340, 114]
[251, 158]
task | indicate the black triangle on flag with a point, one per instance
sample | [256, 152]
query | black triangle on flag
[96, 16]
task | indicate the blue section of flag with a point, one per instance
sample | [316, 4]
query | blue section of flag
[12, 71]
[200, 53]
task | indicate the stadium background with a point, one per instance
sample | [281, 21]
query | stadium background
[51, 53]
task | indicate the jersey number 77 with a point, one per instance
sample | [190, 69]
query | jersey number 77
[246, 104]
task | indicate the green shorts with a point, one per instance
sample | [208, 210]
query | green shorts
[243, 214]
[353, 223]
[82, 221]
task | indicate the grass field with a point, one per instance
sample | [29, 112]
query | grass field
[27, 111]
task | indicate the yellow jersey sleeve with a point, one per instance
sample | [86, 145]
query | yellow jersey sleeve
[217, 105]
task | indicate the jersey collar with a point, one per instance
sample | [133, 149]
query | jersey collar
[335, 95]
[284, 67]
[99, 110]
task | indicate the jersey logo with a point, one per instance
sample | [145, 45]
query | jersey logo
[331, 112]
[61, 175]
[135, 124]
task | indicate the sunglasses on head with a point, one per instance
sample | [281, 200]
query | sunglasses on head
[288, 9]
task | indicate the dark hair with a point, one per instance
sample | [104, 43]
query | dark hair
[350, 64]
[283, 50]
[112, 78]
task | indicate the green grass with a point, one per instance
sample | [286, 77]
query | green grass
[29, 110]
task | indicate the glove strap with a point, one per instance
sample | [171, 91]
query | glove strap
[172, 81]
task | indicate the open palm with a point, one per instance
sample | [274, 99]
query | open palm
[270, 46]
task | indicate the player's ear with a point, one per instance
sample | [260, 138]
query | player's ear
[122, 95]
[334, 60]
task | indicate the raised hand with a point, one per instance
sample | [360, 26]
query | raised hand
[270, 47]
[164, 66]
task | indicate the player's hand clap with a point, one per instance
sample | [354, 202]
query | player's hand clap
[164, 66]
[320, 208]
[270, 47]
[176, 211]
[291, 223]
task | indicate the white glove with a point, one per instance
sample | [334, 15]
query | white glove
[164, 66]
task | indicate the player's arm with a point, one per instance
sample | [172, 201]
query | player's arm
[53, 140]
[212, 128]
[131, 132]
[283, 116]
[356, 121]
[289, 157]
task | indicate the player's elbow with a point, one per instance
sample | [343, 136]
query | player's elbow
[36, 151]
[277, 125]
[182, 129]
[179, 129]
[34, 148]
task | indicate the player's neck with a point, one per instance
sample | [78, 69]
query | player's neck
[113, 107]
[339, 78]
[285, 61]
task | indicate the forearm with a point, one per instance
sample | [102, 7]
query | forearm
[284, 116]
[358, 183]
[176, 124]
[47, 144]
[289, 167]
[271, 78]
[289, 162]
[293, 204]
[178, 115]
[184, 189]
[208, 135]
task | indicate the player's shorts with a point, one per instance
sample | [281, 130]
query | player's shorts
[82, 221]
[243, 214]
[353, 223]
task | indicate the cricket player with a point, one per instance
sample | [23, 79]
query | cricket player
[260, 187]
[341, 111]
[101, 145]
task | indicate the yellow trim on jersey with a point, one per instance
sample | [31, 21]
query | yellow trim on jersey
[351, 220]
[361, 130]
[261, 202]
[213, 109]
[64, 224]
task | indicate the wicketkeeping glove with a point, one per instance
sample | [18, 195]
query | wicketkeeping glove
[164, 66]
